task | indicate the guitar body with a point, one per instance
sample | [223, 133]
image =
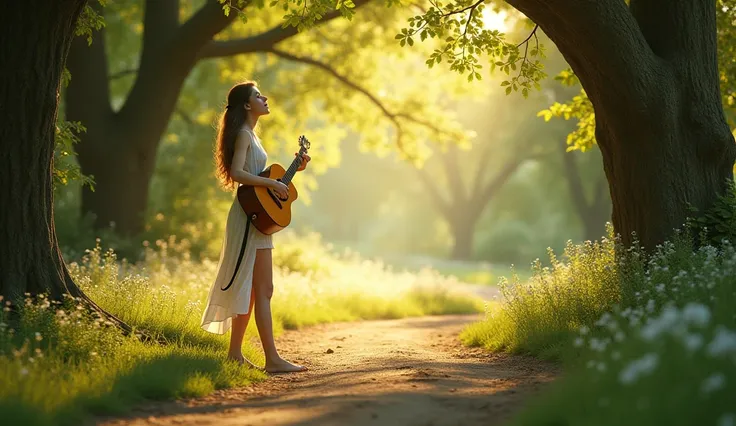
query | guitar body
[272, 213]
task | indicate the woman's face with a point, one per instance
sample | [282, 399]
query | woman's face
[258, 103]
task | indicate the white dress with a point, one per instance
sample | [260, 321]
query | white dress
[222, 305]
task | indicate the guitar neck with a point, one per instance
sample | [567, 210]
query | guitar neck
[291, 171]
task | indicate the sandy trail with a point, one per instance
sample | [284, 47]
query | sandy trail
[395, 372]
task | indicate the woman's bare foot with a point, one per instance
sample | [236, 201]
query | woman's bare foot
[243, 361]
[283, 366]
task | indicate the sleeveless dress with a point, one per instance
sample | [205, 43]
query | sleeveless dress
[222, 305]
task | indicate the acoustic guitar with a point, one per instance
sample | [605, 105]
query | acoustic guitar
[268, 212]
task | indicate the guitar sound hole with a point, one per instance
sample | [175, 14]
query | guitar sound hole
[275, 198]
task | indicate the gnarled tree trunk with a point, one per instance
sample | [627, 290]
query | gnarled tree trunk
[651, 74]
[35, 41]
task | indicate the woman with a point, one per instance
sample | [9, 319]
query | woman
[240, 157]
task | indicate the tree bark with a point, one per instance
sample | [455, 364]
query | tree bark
[651, 75]
[36, 37]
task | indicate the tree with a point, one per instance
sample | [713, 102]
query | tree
[36, 39]
[592, 204]
[651, 74]
[120, 146]
[465, 203]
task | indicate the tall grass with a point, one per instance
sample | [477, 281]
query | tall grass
[645, 339]
[59, 363]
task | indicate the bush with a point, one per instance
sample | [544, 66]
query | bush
[645, 339]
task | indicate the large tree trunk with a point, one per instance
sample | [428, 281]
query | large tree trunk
[119, 148]
[462, 232]
[651, 74]
[35, 41]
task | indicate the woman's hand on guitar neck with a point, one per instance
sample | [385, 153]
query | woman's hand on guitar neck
[305, 160]
[279, 188]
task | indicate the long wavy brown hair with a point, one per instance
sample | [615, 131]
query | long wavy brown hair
[230, 123]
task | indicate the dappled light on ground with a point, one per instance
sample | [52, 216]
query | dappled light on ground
[399, 372]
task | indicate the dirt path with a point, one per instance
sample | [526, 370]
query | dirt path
[399, 372]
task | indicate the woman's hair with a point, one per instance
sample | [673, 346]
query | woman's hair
[227, 130]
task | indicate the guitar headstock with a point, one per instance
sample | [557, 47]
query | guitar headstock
[304, 144]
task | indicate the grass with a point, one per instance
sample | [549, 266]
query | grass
[59, 364]
[644, 339]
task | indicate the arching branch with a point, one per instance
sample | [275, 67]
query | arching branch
[394, 117]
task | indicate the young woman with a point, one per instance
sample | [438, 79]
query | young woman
[240, 157]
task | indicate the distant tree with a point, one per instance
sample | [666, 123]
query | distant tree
[651, 73]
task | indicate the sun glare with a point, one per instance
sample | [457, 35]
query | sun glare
[494, 21]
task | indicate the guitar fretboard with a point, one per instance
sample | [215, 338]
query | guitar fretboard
[291, 171]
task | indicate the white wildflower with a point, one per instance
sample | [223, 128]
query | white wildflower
[713, 383]
[584, 330]
[696, 313]
[578, 342]
[597, 344]
[659, 288]
[692, 342]
[656, 326]
[636, 368]
[604, 320]
[723, 342]
[727, 419]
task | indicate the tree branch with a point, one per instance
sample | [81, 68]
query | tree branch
[442, 205]
[202, 27]
[480, 171]
[394, 117]
[160, 22]
[604, 45]
[458, 191]
[123, 73]
[88, 94]
[166, 71]
[684, 28]
[260, 42]
[495, 184]
[471, 7]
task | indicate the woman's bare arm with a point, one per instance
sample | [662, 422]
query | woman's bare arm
[237, 169]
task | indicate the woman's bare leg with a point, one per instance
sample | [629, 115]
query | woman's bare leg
[237, 332]
[263, 285]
